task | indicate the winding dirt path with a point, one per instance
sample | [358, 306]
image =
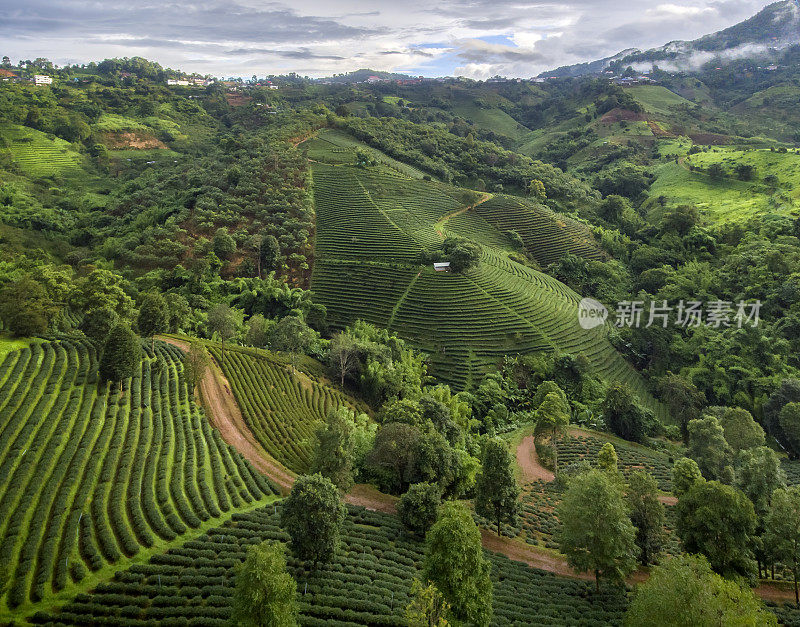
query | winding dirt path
[223, 412]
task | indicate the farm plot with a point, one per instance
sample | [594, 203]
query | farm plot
[281, 408]
[368, 583]
[547, 236]
[91, 473]
[37, 154]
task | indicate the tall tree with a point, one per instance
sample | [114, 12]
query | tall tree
[333, 450]
[343, 356]
[427, 607]
[265, 594]
[597, 534]
[707, 446]
[153, 317]
[497, 492]
[741, 431]
[607, 459]
[312, 515]
[121, 354]
[455, 564]
[623, 414]
[25, 307]
[685, 592]
[782, 537]
[195, 364]
[647, 514]
[552, 418]
[293, 336]
[97, 324]
[789, 420]
[222, 321]
[418, 508]
[684, 400]
[685, 473]
[718, 521]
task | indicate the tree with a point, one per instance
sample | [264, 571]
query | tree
[787, 392]
[623, 415]
[597, 534]
[195, 364]
[647, 514]
[685, 592]
[718, 521]
[537, 190]
[102, 288]
[258, 331]
[716, 172]
[121, 354]
[741, 431]
[758, 475]
[685, 473]
[97, 324]
[312, 515]
[552, 418]
[269, 254]
[497, 492]
[265, 594]
[222, 321]
[707, 446]
[607, 459]
[745, 171]
[224, 245]
[427, 607]
[153, 317]
[455, 564]
[333, 450]
[789, 420]
[463, 253]
[418, 508]
[293, 336]
[178, 310]
[393, 456]
[25, 307]
[782, 536]
[684, 400]
[343, 356]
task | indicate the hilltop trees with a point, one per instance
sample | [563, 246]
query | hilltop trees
[596, 534]
[333, 451]
[312, 515]
[497, 492]
[222, 321]
[25, 307]
[647, 514]
[293, 336]
[97, 324]
[265, 594]
[418, 508]
[153, 316]
[455, 564]
[708, 447]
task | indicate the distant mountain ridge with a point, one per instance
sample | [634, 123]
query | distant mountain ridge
[762, 37]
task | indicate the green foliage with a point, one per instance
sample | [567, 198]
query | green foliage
[624, 416]
[718, 521]
[196, 363]
[685, 592]
[312, 515]
[707, 446]
[789, 421]
[552, 418]
[334, 448]
[97, 324]
[25, 307]
[427, 608]
[455, 564]
[596, 534]
[758, 475]
[418, 508]
[741, 430]
[153, 315]
[121, 354]
[222, 322]
[647, 515]
[497, 492]
[607, 459]
[782, 537]
[292, 335]
[685, 474]
[265, 594]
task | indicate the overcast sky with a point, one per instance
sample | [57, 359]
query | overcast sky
[475, 38]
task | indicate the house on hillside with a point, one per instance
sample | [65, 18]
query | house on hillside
[41, 79]
[7, 75]
[441, 266]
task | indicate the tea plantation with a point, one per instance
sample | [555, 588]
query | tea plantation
[282, 408]
[92, 473]
[368, 583]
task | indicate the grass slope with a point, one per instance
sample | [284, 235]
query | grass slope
[90, 475]
[368, 583]
[36, 154]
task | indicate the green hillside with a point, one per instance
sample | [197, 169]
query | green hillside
[368, 583]
[281, 407]
[371, 228]
[111, 474]
[36, 154]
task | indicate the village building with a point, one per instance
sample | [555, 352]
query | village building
[41, 79]
[441, 266]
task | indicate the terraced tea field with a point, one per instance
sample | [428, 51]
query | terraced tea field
[36, 154]
[368, 583]
[372, 227]
[546, 235]
[280, 407]
[91, 474]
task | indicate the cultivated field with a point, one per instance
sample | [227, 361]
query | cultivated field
[37, 154]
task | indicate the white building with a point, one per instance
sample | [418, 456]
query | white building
[176, 81]
[41, 79]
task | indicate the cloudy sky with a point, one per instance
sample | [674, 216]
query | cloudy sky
[475, 38]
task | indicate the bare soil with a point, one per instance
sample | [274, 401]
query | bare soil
[131, 140]
[528, 461]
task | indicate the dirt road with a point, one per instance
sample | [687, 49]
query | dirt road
[528, 461]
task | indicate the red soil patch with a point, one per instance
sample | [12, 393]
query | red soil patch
[655, 127]
[237, 100]
[709, 139]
